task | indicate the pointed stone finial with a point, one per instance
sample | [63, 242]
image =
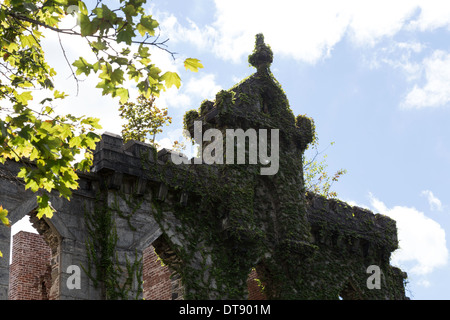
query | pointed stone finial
[262, 55]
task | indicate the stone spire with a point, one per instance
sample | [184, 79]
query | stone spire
[262, 56]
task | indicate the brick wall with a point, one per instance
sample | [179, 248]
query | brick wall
[254, 290]
[159, 286]
[157, 282]
[30, 271]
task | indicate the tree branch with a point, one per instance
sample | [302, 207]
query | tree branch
[68, 63]
[159, 45]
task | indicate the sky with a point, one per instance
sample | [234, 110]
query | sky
[374, 76]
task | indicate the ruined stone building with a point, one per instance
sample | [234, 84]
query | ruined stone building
[142, 226]
[30, 273]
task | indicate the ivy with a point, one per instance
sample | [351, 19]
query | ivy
[103, 266]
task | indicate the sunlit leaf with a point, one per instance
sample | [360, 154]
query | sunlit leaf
[123, 94]
[3, 218]
[24, 97]
[171, 79]
[192, 64]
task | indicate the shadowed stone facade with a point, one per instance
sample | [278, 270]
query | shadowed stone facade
[212, 223]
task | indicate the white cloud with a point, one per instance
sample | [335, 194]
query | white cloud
[424, 283]
[197, 88]
[305, 30]
[435, 92]
[174, 98]
[204, 87]
[433, 14]
[422, 240]
[371, 21]
[399, 55]
[434, 202]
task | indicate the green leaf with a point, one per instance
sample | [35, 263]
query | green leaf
[99, 45]
[192, 64]
[93, 122]
[31, 184]
[75, 141]
[154, 72]
[129, 10]
[59, 95]
[82, 66]
[24, 97]
[87, 27]
[147, 25]
[116, 76]
[143, 51]
[3, 218]
[90, 141]
[125, 51]
[120, 60]
[145, 61]
[27, 41]
[44, 208]
[106, 71]
[82, 7]
[125, 35]
[171, 78]
[51, 20]
[107, 86]
[123, 94]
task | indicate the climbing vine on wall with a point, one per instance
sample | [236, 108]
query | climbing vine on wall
[114, 280]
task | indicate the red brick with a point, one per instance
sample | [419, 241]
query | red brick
[29, 273]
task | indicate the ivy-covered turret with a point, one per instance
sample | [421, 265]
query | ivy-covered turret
[266, 217]
[258, 102]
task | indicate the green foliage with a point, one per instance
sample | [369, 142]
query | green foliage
[144, 118]
[171, 79]
[4, 219]
[103, 266]
[262, 55]
[192, 64]
[48, 143]
[316, 178]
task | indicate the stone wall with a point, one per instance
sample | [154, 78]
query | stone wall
[349, 239]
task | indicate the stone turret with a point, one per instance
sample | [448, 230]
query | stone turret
[257, 102]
